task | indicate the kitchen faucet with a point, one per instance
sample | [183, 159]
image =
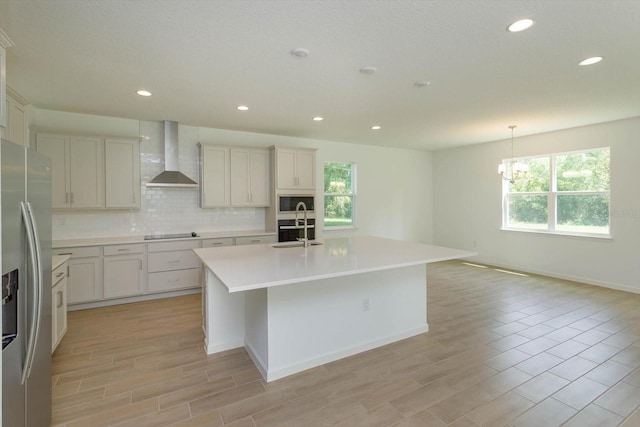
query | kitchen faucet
[305, 240]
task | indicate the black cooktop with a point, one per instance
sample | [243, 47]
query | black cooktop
[170, 236]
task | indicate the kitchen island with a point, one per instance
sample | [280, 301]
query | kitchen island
[294, 308]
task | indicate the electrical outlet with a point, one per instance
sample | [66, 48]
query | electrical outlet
[365, 304]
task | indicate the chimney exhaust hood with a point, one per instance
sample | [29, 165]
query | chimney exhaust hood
[171, 177]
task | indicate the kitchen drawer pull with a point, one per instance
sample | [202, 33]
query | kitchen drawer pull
[60, 274]
[216, 243]
[177, 261]
[66, 253]
[256, 241]
[123, 250]
[174, 280]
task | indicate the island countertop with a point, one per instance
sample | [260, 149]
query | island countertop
[243, 268]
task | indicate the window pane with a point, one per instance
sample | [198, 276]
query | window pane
[337, 177]
[587, 171]
[527, 211]
[583, 213]
[338, 211]
[538, 178]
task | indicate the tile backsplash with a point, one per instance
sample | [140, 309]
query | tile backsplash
[163, 209]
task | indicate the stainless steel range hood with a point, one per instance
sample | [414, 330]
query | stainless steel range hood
[171, 177]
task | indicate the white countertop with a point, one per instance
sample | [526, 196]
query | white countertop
[58, 260]
[103, 241]
[243, 268]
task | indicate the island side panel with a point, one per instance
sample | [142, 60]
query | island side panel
[316, 322]
[224, 316]
[256, 328]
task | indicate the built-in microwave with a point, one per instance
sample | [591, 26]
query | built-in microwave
[288, 203]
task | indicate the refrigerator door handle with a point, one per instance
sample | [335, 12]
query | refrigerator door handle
[36, 286]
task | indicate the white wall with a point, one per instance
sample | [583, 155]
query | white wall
[394, 197]
[467, 208]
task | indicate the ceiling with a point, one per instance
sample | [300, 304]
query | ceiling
[201, 59]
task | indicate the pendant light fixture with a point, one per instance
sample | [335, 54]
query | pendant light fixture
[515, 169]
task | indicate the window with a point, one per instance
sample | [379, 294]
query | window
[565, 193]
[339, 195]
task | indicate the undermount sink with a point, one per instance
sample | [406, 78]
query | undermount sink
[293, 244]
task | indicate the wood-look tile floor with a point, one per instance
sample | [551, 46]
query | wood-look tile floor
[503, 350]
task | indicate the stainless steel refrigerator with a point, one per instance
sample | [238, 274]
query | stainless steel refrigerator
[25, 181]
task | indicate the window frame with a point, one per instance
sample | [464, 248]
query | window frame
[352, 194]
[552, 197]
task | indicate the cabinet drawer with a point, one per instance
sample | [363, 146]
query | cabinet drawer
[253, 240]
[83, 252]
[177, 260]
[124, 249]
[58, 274]
[173, 246]
[171, 280]
[214, 243]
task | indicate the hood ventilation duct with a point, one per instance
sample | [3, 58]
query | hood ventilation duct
[171, 177]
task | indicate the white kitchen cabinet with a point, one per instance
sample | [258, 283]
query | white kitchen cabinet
[250, 173]
[58, 305]
[122, 173]
[84, 280]
[217, 242]
[5, 43]
[124, 270]
[214, 176]
[16, 130]
[173, 266]
[255, 240]
[77, 165]
[295, 168]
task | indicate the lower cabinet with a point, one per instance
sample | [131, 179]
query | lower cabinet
[173, 266]
[84, 281]
[124, 270]
[58, 305]
[255, 240]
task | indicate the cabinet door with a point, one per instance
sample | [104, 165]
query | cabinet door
[59, 312]
[84, 280]
[123, 275]
[56, 147]
[259, 172]
[86, 172]
[286, 175]
[122, 173]
[306, 169]
[214, 176]
[16, 122]
[240, 183]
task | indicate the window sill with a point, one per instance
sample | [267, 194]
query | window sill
[560, 233]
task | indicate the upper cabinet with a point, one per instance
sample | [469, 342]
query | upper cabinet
[237, 177]
[5, 43]
[84, 169]
[214, 176]
[16, 130]
[250, 177]
[122, 173]
[295, 168]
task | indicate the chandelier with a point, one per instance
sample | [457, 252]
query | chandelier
[516, 169]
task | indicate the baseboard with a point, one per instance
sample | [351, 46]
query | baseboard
[217, 348]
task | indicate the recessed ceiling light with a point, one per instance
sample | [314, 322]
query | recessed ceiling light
[368, 70]
[591, 61]
[142, 92]
[521, 25]
[422, 83]
[300, 52]
[318, 118]
[242, 107]
[376, 127]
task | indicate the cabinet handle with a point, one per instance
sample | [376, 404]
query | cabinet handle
[60, 299]
[60, 274]
[66, 253]
[140, 261]
[72, 197]
[66, 197]
[173, 280]
[216, 243]
[256, 241]
[123, 250]
[174, 262]
[68, 271]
